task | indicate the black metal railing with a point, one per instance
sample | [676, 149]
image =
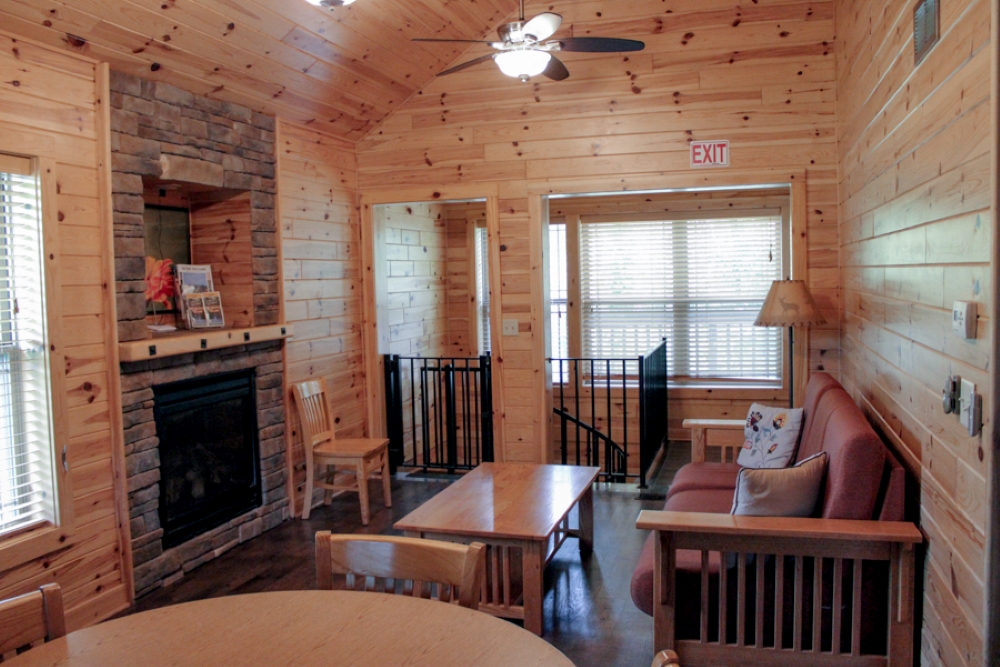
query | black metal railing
[439, 411]
[653, 412]
[592, 399]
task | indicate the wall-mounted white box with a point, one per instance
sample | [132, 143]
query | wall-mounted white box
[963, 319]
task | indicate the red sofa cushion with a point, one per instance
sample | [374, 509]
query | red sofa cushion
[703, 476]
[715, 501]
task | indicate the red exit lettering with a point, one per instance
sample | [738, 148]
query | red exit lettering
[709, 153]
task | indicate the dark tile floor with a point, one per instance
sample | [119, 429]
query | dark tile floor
[588, 612]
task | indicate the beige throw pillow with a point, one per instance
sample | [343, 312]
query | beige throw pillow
[780, 491]
[771, 436]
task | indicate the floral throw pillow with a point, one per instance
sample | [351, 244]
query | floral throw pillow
[771, 437]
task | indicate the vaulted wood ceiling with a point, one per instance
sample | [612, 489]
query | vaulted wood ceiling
[343, 69]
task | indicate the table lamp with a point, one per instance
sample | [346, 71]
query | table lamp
[789, 304]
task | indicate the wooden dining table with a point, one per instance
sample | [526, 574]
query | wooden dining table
[301, 628]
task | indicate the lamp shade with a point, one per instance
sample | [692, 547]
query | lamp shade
[789, 304]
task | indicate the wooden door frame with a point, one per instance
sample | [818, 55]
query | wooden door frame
[374, 334]
[991, 626]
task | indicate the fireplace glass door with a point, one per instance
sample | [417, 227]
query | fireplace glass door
[209, 458]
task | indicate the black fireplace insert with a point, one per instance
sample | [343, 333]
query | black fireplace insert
[209, 455]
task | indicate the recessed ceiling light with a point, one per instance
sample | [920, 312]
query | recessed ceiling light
[329, 4]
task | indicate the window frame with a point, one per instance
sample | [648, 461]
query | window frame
[22, 545]
[573, 224]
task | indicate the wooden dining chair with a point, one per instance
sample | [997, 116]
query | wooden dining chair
[31, 619]
[414, 566]
[666, 659]
[362, 457]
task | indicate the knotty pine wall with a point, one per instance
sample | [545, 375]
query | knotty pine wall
[915, 234]
[624, 122]
[463, 327]
[320, 237]
[416, 275]
[54, 105]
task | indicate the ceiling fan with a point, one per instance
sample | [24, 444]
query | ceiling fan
[522, 51]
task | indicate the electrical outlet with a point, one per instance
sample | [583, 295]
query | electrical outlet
[949, 396]
[510, 327]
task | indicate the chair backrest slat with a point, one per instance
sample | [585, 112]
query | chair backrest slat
[31, 619]
[413, 565]
[311, 401]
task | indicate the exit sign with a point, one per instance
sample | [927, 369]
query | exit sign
[709, 153]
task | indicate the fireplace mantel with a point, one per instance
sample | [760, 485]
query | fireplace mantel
[186, 342]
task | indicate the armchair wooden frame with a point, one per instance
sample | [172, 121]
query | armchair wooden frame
[31, 619]
[726, 435]
[405, 565]
[814, 543]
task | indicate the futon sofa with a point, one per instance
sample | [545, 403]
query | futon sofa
[783, 578]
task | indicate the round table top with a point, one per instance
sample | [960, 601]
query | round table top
[343, 628]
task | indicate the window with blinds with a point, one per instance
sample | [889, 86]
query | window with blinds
[699, 283]
[483, 288]
[27, 488]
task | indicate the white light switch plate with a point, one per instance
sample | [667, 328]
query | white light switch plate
[963, 319]
[510, 327]
[970, 408]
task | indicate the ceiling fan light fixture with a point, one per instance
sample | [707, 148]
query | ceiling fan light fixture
[522, 63]
[329, 4]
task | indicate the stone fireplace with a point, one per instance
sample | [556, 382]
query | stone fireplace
[161, 134]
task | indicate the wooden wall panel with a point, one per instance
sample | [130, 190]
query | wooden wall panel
[915, 236]
[60, 114]
[463, 326]
[320, 235]
[220, 236]
[623, 121]
[416, 302]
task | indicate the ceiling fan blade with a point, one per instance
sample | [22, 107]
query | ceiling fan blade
[542, 26]
[463, 41]
[556, 70]
[466, 65]
[600, 44]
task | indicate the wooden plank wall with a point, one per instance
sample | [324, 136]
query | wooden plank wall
[915, 233]
[320, 242]
[416, 270]
[52, 105]
[463, 328]
[220, 236]
[622, 119]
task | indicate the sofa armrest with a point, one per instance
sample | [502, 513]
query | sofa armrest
[726, 434]
[723, 525]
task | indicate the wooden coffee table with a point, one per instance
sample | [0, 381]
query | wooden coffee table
[521, 512]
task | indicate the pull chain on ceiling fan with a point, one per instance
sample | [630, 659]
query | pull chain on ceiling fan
[522, 51]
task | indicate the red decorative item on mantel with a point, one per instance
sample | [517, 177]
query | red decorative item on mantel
[160, 282]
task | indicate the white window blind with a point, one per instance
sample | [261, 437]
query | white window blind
[698, 283]
[27, 491]
[558, 292]
[483, 288]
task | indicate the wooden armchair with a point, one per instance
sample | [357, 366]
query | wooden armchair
[31, 619]
[796, 596]
[405, 565]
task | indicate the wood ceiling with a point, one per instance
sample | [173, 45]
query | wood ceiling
[342, 70]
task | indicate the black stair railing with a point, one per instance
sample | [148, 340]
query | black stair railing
[596, 399]
[439, 411]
